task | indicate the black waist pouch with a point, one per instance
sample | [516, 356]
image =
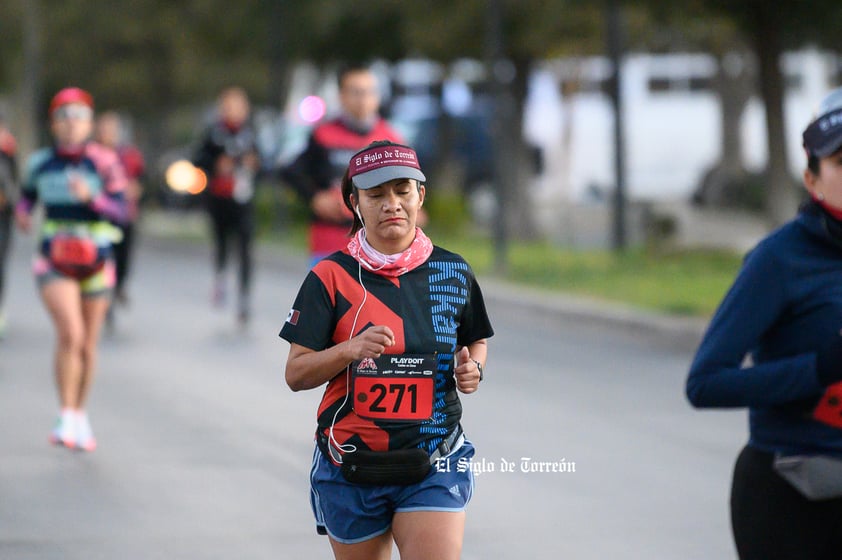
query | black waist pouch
[386, 468]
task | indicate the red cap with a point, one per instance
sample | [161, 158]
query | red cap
[71, 95]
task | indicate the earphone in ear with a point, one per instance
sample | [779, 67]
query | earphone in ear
[360, 216]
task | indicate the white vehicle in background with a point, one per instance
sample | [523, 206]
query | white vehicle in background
[672, 121]
[673, 137]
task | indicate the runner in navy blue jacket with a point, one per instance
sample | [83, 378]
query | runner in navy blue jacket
[784, 313]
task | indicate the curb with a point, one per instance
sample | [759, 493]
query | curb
[576, 307]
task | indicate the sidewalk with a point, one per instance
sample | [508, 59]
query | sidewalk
[190, 227]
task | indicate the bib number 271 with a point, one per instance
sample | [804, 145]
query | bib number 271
[394, 387]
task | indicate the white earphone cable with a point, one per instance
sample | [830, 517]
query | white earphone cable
[350, 448]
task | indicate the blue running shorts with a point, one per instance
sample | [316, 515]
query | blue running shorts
[351, 513]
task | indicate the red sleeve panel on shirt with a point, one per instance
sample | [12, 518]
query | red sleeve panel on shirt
[342, 286]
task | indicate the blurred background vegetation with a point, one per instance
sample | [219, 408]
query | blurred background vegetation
[162, 62]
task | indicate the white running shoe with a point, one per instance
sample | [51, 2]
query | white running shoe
[85, 439]
[64, 431]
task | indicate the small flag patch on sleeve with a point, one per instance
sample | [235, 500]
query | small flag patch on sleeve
[292, 317]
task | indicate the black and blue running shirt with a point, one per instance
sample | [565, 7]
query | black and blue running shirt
[431, 309]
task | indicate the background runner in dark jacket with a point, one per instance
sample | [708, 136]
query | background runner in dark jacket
[317, 172]
[229, 156]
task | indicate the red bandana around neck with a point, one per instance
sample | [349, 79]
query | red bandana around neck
[391, 265]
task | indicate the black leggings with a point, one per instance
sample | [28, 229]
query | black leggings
[122, 255]
[772, 521]
[230, 217]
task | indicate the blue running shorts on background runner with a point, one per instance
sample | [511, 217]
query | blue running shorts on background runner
[351, 513]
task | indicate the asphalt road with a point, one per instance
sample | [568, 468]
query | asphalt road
[204, 452]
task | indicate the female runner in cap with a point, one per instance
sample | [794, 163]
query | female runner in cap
[784, 313]
[80, 184]
[394, 326]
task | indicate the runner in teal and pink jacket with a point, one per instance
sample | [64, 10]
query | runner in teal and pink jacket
[80, 185]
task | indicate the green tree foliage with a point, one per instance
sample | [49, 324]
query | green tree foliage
[771, 29]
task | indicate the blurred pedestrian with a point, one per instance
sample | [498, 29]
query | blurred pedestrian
[317, 172]
[8, 193]
[775, 347]
[111, 132]
[393, 326]
[80, 184]
[229, 156]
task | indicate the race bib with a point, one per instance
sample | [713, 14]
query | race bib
[394, 387]
[829, 409]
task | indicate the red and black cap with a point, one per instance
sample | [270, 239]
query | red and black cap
[382, 163]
